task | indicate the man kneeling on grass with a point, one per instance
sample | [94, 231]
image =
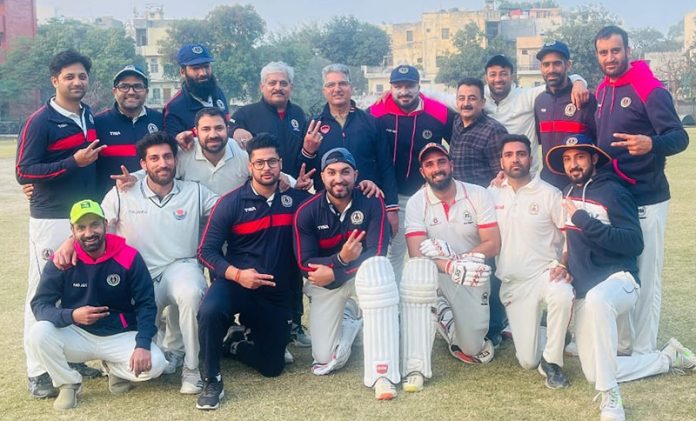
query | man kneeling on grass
[107, 311]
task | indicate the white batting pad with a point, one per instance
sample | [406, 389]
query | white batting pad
[378, 296]
[418, 296]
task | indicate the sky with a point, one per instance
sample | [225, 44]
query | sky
[282, 15]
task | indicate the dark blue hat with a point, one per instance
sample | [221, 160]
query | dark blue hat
[554, 47]
[192, 54]
[500, 60]
[404, 73]
[554, 158]
[130, 70]
[337, 155]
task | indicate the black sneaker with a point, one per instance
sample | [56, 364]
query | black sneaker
[555, 379]
[212, 392]
[86, 371]
[41, 387]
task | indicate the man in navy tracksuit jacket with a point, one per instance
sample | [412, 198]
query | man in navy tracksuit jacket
[255, 274]
[638, 127]
[107, 310]
[122, 125]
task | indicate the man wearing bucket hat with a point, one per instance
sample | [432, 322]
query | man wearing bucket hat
[107, 311]
[604, 241]
[198, 89]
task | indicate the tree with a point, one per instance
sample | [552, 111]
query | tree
[649, 40]
[349, 41]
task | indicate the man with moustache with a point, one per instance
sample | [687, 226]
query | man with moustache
[254, 275]
[198, 89]
[408, 120]
[107, 311]
[56, 152]
[639, 128]
[531, 220]
[555, 115]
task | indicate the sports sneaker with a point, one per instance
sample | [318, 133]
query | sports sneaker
[384, 389]
[484, 356]
[118, 385]
[555, 379]
[298, 337]
[289, 359]
[324, 369]
[191, 383]
[41, 387]
[612, 406]
[67, 398]
[86, 371]
[234, 335]
[681, 357]
[212, 392]
[413, 382]
[174, 361]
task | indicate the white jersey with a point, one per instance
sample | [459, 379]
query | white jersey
[457, 223]
[163, 231]
[229, 173]
[530, 222]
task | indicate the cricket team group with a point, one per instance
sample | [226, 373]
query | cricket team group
[167, 241]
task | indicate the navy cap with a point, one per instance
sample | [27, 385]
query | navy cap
[404, 73]
[130, 70]
[337, 155]
[500, 60]
[554, 47]
[192, 54]
[554, 158]
[429, 147]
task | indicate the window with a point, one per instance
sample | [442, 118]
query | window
[419, 60]
[379, 88]
[156, 95]
[154, 65]
[409, 36]
[445, 33]
[140, 37]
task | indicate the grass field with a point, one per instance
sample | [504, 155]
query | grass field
[500, 390]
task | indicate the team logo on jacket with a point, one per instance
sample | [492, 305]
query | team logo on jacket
[625, 102]
[357, 217]
[534, 209]
[46, 253]
[91, 119]
[427, 134]
[286, 200]
[570, 110]
[325, 129]
[196, 49]
[220, 104]
[113, 279]
[295, 125]
[152, 128]
[179, 214]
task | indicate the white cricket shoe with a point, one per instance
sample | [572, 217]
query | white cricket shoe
[611, 408]
[191, 383]
[681, 357]
[413, 382]
[384, 389]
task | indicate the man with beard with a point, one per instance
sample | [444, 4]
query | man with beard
[199, 89]
[513, 106]
[408, 120]
[255, 274]
[337, 232]
[555, 114]
[124, 124]
[604, 240]
[530, 217]
[56, 151]
[454, 223]
[638, 127]
[107, 311]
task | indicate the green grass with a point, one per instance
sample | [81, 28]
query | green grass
[500, 390]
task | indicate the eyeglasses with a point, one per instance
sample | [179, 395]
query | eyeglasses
[125, 87]
[259, 164]
[342, 84]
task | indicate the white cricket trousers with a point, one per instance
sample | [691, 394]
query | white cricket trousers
[54, 347]
[45, 236]
[597, 337]
[523, 303]
[470, 309]
[181, 288]
[397, 246]
[645, 317]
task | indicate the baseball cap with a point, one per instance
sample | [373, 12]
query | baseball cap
[130, 70]
[192, 54]
[554, 47]
[84, 207]
[429, 147]
[499, 60]
[337, 155]
[404, 73]
[554, 158]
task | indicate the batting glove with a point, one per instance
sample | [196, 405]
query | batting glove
[469, 273]
[473, 257]
[437, 249]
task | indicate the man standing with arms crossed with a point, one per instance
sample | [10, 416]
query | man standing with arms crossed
[638, 127]
[56, 151]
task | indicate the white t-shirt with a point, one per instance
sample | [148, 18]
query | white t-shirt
[457, 223]
[229, 173]
[163, 231]
[531, 222]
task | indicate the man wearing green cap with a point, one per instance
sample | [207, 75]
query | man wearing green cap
[107, 311]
